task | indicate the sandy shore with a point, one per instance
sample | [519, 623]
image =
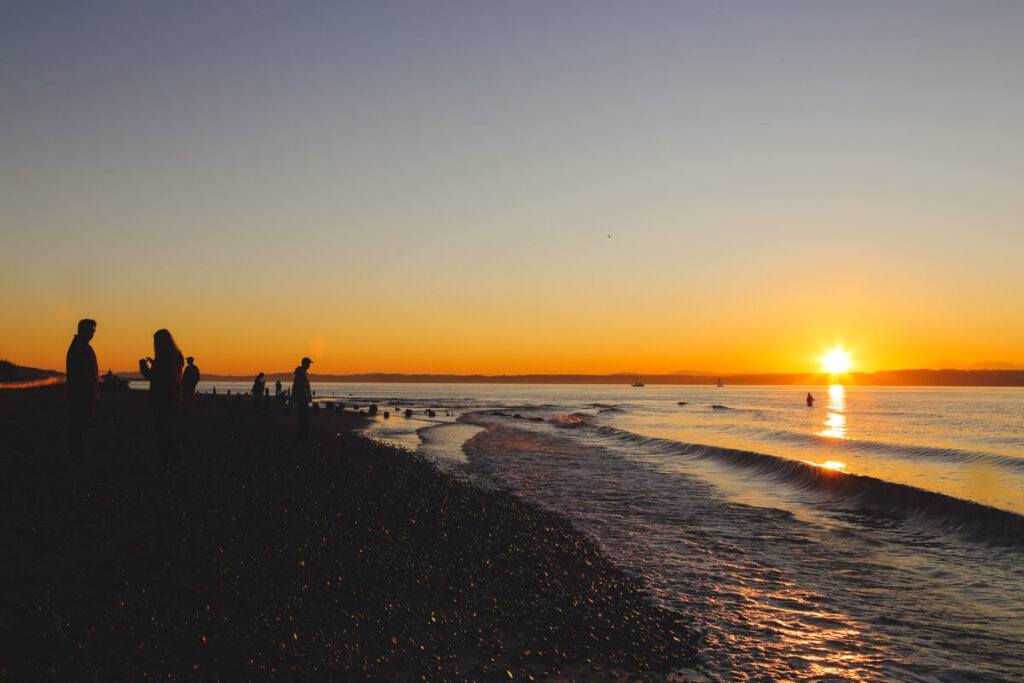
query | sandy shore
[342, 559]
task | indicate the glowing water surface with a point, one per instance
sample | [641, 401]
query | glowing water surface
[967, 443]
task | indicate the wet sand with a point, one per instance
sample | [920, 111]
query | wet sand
[255, 558]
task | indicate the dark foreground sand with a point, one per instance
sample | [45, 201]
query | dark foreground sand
[257, 559]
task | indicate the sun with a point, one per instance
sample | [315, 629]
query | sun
[836, 361]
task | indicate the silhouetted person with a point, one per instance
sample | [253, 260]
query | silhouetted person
[301, 396]
[810, 400]
[189, 380]
[257, 388]
[277, 388]
[164, 374]
[83, 378]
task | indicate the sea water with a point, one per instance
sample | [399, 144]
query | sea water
[878, 535]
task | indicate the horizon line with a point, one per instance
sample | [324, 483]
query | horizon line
[904, 377]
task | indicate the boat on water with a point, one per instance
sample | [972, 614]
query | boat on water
[636, 380]
[719, 382]
[112, 381]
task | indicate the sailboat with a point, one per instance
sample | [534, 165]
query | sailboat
[636, 380]
[719, 381]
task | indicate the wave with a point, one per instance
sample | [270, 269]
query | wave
[915, 452]
[731, 409]
[571, 421]
[980, 522]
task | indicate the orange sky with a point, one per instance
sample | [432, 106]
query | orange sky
[514, 189]
[349, 332]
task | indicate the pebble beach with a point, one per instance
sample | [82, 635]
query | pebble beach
[255, 558]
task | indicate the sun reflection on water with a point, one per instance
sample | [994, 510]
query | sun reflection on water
[835, 421]
[829, 465]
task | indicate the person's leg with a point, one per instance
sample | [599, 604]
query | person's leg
[79, 414]
[76, 430]
[302, 427]
[166, 442]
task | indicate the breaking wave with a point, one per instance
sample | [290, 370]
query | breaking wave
[914, 452]
[571, 421]
[979, 522]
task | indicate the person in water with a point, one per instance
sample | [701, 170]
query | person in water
[810, 400]
[83, 380]
[301, 396]
[164, 374]
[189, 380]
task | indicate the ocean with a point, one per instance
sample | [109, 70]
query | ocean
[878, 535]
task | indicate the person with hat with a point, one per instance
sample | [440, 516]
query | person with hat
[301, 396]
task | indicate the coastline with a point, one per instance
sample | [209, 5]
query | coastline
[882, 378]
[256, 557]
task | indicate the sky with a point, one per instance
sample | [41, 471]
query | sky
[511, 188]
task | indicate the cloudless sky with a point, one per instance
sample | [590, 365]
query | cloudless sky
[431, 186]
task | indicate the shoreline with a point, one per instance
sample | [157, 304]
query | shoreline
[882, 379]
[256, 557]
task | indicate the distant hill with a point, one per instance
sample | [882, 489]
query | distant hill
[942, 378]
[983, 365]
[924, 377]
[12, 375]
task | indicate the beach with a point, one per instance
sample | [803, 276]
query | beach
[876, 536]
[253, 557]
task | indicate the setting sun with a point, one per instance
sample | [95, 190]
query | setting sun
[836, 361]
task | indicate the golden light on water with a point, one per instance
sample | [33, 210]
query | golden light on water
[28, 384]
[835, 419]
[836, 361]
[835, 426]
[829, 465]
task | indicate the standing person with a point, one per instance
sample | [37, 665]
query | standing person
[189, 380]
[301, 396]
[257, 388]
[164, 374]
[83, 378]
[810, 400]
